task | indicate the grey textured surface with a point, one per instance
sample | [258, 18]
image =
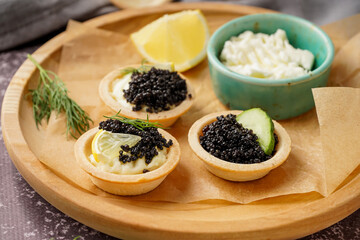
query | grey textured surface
[26, 215]
[318, 11]
[41, 17]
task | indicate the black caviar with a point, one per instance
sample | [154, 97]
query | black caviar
[146, 147]
[230, 141]
[157, 90]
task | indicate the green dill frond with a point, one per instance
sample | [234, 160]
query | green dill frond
[50, 95]
[138, 123]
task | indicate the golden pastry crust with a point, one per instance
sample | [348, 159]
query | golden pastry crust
[125, 184]
[165, 118]
[234, 171]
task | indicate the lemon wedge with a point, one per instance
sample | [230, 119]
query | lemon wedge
[106, 145]
[179, 38]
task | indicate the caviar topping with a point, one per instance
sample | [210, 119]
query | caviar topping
[230, 141]
[151, 140]
[157, 90]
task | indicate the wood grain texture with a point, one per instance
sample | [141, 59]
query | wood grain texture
[138, 3]
[276, 218]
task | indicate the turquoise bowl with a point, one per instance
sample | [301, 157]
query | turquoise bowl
[281, 99]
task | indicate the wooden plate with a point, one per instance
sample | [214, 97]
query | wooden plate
[137, 3]
[276, 218]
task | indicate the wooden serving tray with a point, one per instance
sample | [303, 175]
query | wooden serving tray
[275, 218]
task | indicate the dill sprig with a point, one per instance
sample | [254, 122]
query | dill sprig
[138, 123]
[50, 95]
[142, 69]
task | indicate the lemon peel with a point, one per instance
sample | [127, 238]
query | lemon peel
[106, 145]
[180, 38]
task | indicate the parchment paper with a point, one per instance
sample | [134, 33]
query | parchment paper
[322, 155]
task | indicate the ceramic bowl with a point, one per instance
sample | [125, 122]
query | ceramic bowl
[281, 99]
[235, 171]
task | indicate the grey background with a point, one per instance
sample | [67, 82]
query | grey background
[26, 215]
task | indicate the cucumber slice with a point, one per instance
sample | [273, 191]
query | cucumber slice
[262, 126]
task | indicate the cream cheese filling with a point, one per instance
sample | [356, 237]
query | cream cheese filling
[118, 86]
[134, 167]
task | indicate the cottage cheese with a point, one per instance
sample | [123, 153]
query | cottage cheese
[266, 56]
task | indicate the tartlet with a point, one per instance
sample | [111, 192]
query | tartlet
[234, 171]
[165, 118]
[125, 184]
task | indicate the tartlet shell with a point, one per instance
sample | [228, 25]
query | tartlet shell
[234, 171]
[125, 184]
[165, 118]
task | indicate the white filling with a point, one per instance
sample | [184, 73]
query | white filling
[266, 56]
[118, 85]
[133, 167]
